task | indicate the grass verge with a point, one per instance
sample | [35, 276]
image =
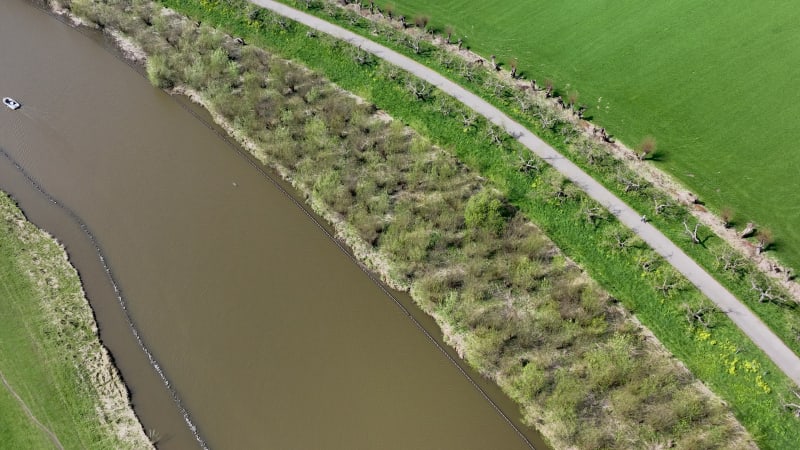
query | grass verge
[538, 334]
[50, 353]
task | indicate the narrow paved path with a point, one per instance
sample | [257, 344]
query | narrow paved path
[745, 319]
[28, 412]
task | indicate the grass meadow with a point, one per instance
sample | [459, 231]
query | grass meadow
[522, 319]
[49, 350]
[713, 82]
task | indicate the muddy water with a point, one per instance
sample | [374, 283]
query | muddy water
[270, 335]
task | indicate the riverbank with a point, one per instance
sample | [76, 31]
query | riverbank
[681, 317]
[492, 279]
[60, 385]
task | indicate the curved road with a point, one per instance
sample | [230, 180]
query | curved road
[745, 319]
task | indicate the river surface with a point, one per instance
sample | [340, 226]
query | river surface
[270, 334]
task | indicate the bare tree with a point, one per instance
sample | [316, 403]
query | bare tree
[660, 207]
[764, 295]
[700, 315]
[419, 88]
[527, 163]
[765, 239]
[572, 98]
[389, 10]
[446, 59]
[793, 408]
[548, 87]
[594, 214]
[494, 63]
[468, 120]
[495, 85]
[748, 230]
[448, 32]
[692, 233]
[421, 21]
[622, 240]
[731, 260]
[444, 107]
[415, 42]
[460, 43]
[361, 57]
[495, 136]
[523, 101]
[513, 64]
[547, 117]
[668, 285]
[727, 216]
[630, 184]
[580, 111]
[646, 147]
[467, 71]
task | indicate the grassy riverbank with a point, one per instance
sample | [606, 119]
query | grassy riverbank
[56, 370]
[520, 312]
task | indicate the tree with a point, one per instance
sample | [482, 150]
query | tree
[701, 315]
[692, 233]
[448, 31]
[421, 21]
[484, 211]
[419, 88]
[549, 85]
[513, 64]
[727, 217]
[646, 147]
[748, 230]
[765, 240]
[572, 98]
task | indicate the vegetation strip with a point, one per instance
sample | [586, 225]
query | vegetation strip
[751, 279]
[542, 336]
[61, 374]
[738, 313]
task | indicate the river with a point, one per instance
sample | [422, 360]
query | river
[269, 333]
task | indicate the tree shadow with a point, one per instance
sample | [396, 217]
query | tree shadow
[658, 156]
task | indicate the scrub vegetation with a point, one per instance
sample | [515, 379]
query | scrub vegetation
[59, 385]
[702, 78]
[452, 224]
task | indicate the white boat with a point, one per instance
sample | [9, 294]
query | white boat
[11, 103]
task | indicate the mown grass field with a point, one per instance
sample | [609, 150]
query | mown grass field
[47, 336]
[721, 356]
[713, 82]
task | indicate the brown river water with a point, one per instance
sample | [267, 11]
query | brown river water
[269, 334]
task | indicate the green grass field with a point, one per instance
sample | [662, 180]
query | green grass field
[46, 339]
[711, 81]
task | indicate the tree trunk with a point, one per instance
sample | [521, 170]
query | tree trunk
[748, 230]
